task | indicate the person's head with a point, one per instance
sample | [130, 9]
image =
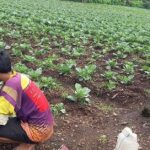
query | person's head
[5, 64]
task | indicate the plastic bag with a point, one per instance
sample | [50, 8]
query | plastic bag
[127, 140]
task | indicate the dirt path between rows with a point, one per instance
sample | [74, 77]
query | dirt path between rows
[95, 127]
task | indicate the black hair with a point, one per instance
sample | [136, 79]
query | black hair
[5, 62]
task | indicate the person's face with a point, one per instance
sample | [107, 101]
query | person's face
[4, 76]
[1, 76]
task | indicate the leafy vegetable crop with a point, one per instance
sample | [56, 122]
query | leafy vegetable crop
[67, 37]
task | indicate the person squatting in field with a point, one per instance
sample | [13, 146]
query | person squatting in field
[25, 115]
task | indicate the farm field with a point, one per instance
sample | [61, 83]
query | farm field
[92, 62]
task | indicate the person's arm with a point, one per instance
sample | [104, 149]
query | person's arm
[9, 94]
[6, 110]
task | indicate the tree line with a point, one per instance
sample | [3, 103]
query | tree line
[134, 3]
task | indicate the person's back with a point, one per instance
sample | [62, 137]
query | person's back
[31, 106]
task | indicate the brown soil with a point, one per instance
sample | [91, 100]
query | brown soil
[95, 126]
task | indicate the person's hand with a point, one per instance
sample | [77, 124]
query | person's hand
[3, 119]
